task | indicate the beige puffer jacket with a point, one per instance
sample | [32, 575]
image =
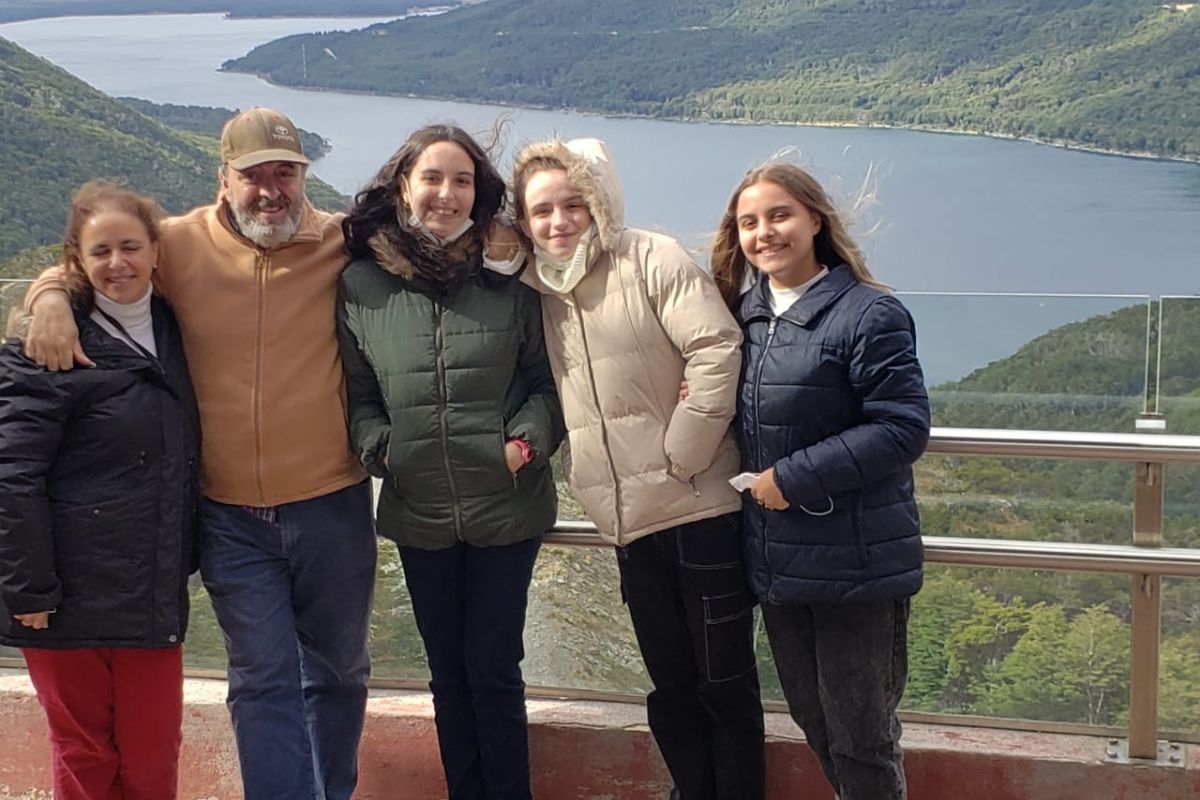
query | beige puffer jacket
[643, 318]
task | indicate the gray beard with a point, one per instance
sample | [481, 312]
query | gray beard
[263, 234]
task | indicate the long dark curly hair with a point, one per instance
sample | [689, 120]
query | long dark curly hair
[380, 207]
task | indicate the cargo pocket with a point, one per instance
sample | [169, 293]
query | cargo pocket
[729, 636]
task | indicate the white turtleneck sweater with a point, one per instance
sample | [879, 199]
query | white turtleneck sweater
[134, 317]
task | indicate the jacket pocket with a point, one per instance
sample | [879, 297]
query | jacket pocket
[508, 474]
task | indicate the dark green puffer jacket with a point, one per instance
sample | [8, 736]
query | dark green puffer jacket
[441, 383]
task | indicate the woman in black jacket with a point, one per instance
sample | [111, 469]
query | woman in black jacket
[98, 492]
[832, 412]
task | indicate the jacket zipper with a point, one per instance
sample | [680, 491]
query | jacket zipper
[261, 263]
[758, 383]
[758, 435]
[443, 422]
[587, 359]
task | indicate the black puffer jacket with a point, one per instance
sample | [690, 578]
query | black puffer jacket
[833, 398]
[98, 493]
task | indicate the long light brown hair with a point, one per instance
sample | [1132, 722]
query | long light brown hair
[832, 245]
[97, 197]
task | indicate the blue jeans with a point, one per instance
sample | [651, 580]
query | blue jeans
[843, 670]
[291, 586]
[470, 603]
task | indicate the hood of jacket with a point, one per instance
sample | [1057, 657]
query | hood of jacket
[589, 166]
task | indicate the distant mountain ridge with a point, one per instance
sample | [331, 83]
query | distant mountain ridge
[1106, 74]
[31, 9]
[57, 132]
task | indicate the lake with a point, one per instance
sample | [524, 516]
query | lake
[952, 213]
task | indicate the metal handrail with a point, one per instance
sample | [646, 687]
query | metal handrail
[1064, 444]
[1175, 562]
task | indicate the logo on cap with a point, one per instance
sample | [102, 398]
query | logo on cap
[258, 135]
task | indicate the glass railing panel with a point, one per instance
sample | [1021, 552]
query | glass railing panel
[577, 633]
[1179, 658]
[1178, 403]
[568, 507]
[1042, 646]
[1181, 499]
[395, 644]
[12, 293]
[1034, 362]
[1178, 362]
[986, 497]
[560, 625]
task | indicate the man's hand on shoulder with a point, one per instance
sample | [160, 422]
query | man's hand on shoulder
[52, 339]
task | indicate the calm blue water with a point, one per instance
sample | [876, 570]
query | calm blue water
[953, 213]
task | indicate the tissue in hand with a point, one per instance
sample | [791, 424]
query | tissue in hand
[743, 481]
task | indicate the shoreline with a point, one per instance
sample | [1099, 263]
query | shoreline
[416, 10]
[1059, 144]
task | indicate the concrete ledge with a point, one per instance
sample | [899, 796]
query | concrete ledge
[603, 751]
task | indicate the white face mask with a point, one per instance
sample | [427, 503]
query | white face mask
[416, 222]
[561, 275]
[510, 267]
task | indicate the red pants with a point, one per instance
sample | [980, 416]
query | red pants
[114, 717]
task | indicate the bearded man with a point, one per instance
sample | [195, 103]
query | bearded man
[287, 544]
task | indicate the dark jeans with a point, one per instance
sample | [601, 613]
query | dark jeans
[470, 603]
[693, 614]
[291, 586]
[843, 670]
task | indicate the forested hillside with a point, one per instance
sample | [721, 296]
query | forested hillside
[57, 132]
[1118, 74]
[1049, 645]
[209, 121]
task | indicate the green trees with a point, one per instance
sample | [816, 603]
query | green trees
[56, 132]
[971, 653]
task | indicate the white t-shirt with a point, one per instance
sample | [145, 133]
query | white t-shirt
[783, 299]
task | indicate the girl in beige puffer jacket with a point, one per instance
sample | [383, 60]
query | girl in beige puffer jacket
[628, 315]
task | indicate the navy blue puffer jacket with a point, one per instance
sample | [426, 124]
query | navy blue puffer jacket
[833, 398]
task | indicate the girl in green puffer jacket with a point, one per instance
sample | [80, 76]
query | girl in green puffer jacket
[452, 403]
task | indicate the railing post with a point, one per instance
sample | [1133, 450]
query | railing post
[1146, 614]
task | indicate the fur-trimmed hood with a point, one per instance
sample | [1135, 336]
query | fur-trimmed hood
[589, 166]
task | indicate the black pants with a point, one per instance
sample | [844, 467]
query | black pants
[470, 608]
[692, 611]
[843, 670]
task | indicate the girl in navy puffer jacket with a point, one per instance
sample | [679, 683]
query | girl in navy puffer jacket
[832, 412]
